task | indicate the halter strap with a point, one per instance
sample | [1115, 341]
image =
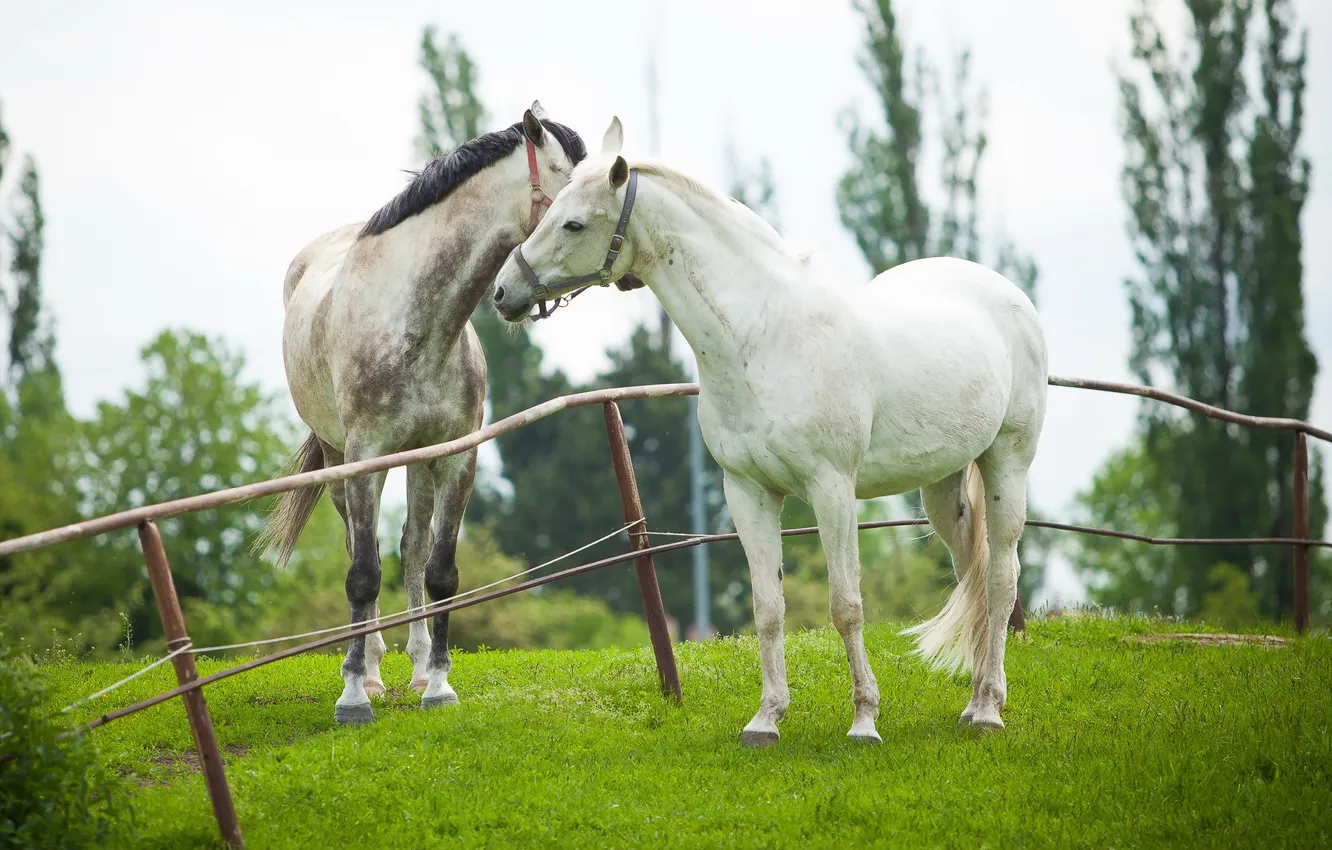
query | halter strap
[539, 197]
[602, 276]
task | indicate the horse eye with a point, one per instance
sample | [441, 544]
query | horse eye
[573, 226]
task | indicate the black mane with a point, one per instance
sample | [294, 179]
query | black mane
[446, 173]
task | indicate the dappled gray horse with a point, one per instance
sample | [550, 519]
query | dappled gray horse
[380, 357]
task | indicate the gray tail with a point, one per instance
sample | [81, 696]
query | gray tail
[293, 509]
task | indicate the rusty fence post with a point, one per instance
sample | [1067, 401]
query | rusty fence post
[1300, 488]
[653, 610]
[196, 710]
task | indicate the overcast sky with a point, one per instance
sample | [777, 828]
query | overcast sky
[187, 154]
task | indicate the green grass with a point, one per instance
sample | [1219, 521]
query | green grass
[1109, 744]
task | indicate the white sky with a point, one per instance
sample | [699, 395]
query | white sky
[188, 153]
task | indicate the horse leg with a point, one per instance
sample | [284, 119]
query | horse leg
[417, 541]
[453, 487]
[337, 491]
[946, 508]
[374, 648]
[756, 513]
[362, 662]
[1005, 474]
[834, 503]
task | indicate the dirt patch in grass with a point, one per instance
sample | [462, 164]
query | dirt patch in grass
[1271, 641]
[173, 762]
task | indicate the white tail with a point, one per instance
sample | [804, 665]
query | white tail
[957, 637]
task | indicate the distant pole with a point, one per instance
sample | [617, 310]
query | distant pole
[698, 515]
[698, 512]
[654, 127]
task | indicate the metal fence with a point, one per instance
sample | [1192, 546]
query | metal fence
[190, 687]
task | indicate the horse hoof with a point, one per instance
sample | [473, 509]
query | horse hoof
[353, 715]
[987, 722]
[419, 685]
[439, 701]
[373, 687]
[758, 740]
[870, 737]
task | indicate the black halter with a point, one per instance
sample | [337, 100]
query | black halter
[575, 285]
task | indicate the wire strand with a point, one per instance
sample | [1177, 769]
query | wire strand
[130, 678]
[426, 607]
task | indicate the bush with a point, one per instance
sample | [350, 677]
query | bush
[53, 793]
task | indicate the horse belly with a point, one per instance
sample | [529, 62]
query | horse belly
[305, 358]
[933, 419]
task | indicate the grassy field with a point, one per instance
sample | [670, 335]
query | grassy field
[1110, 743]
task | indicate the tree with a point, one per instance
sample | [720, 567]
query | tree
[39, 460]
[196, 425]
[754, 186]
[883, 203]
[1215, 186]
[450, 113]
[556, 490]
[31, 342]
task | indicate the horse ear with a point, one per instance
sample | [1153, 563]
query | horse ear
[619, 173]
[533, 130]
[539, 111]
[614, 138]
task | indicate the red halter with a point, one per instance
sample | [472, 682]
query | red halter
[539, 197]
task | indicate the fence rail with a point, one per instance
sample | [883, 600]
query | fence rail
[191, 685]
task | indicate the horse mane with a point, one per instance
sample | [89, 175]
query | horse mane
[447, 172]
[752, 220]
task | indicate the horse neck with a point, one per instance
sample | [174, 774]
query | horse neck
[446, 258]
[717, 275]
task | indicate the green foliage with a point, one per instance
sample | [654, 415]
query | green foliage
[54, 793]
[39, 458]
[1230, 603]
[1129, 492]
[31, 342]
[1223, 746]
[885, 205]
[564, 492]
[754, 187]
[899, 581]
[1215, 185]
[450, 113]
[551, 617]
[195, 426]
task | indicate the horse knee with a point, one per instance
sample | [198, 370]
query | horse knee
[768, 622]
[848, 614]
[441, 575]
[362, 583]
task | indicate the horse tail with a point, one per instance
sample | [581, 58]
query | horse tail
[957, 637]
[293, 509]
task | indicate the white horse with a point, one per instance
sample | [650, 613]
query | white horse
[932, 377]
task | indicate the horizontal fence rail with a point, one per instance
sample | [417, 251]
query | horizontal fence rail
[232, 495]
[1269, 422]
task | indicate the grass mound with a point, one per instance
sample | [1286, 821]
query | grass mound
[1110, 742]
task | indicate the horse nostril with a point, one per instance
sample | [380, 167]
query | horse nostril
[499, 294]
